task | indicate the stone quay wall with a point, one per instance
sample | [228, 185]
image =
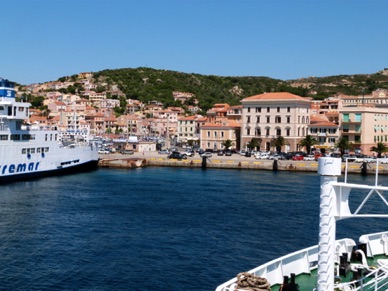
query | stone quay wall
[224, 163]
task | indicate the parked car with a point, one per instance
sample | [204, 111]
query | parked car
[248, 154]
[349, 158]
[228, 152]
[206, 154]
[298, 157]
[163, 152]
[177, 156]
[103, 151]
[190, 153]
[220, 153]
[242, 153]
[263, 156]
[276, 157]
[309, 158]
[127, 152]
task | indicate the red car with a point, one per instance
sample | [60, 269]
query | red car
[297, 158]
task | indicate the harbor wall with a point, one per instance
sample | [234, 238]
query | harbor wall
[267, 165]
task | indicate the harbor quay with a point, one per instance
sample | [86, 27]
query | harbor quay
[152, 159]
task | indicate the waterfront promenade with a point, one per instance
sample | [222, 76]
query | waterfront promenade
[225, 162]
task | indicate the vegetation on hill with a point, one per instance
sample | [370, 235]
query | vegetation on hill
[146, 84]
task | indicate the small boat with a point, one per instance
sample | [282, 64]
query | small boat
[32, 150]
[332, 264]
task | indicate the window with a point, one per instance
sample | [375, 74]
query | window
[215, 134]
[15, 137]
[287, 132]
[248, 131]
[268, 109]
[3, 137]
[268, 119]
[222, 134]
[278, 132]
[288, 109]
[257, 119]
[357, 117]
[288, 119]
[248, 119]
[345, 117]
[249, 109]
[267, 131]
[258, 131]
[345, 128]
[208, 134]
[278, 109]
[278, 119]
[258, 109]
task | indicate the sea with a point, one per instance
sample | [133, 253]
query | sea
[158, 228]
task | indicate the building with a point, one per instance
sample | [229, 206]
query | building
[214, 134]
[188, 128]
[270, 115]
[324, 131]
[364, 126]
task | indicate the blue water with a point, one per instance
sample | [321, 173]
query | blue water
[156, 228]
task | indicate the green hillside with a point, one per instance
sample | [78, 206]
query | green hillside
[148, 84]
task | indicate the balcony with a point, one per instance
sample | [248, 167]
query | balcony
[351, 121]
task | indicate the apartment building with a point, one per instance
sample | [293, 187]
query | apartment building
[213, 134]
[324, 131]
[270, 115]
[188, 128]
[364, 126]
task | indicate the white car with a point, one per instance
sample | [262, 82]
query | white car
[309, 158]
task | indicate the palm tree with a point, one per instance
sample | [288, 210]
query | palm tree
[379, 149]
[343, 144]
[227, 144]
[278, 143]
[308, 142]
[254, 143]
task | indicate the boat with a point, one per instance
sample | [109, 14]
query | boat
[332, 264]
[33, 150]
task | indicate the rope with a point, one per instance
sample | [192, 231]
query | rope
[247, 281]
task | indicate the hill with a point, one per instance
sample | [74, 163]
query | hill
[148, 84]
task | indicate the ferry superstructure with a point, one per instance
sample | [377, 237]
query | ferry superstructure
[340, 265]
[32, 150]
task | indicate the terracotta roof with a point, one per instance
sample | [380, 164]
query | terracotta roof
[323, 123]
[276, 96]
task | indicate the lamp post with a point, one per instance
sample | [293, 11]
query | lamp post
[168, 133]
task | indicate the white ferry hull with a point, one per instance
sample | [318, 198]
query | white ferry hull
[16, 165]
[29, 151]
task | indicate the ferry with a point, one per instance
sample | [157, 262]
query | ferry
[343, 264]
[33, 150]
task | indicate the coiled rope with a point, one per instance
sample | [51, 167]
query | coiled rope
[247, 281]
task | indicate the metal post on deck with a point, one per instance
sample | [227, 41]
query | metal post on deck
[329, 169]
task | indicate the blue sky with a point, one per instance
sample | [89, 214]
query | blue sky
[44, 40]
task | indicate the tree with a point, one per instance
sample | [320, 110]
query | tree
[379, 149]
[278, 143]
[254, 143]
[343, 145]
[227, 144]
[308, 142]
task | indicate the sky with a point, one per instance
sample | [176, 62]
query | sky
[44, 40]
